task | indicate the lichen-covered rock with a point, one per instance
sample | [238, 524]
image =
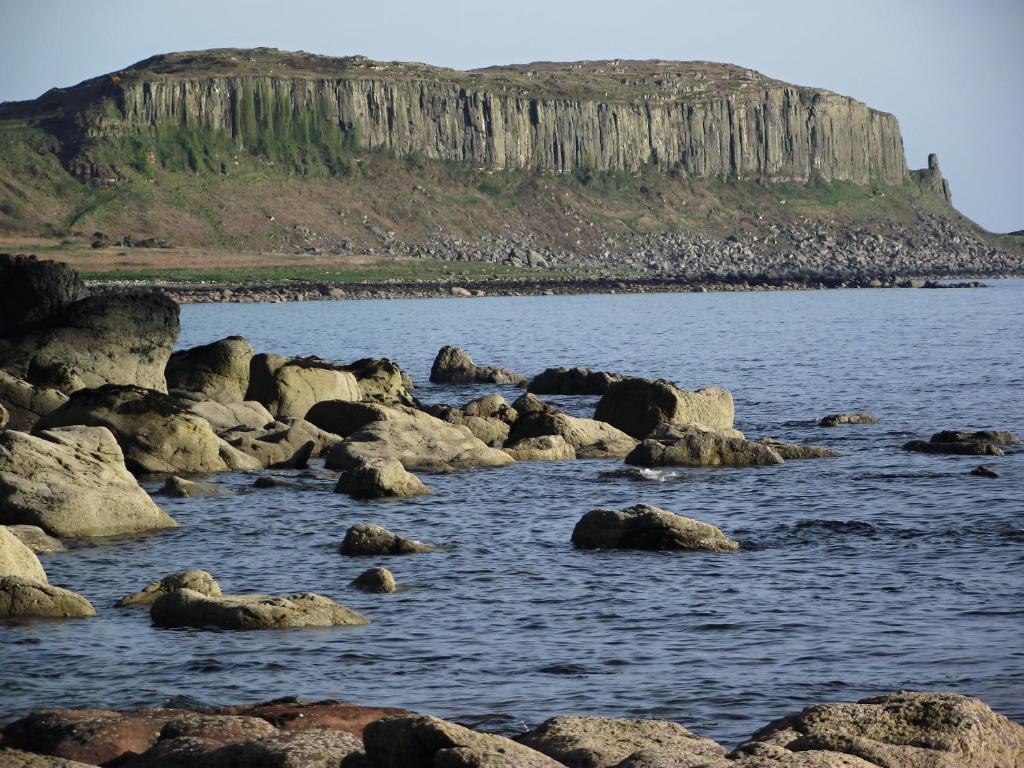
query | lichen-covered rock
[196, 580]
[797, 450]
[603, 742]
[156, 432]
[902, 730]
[572, 381]
[32, 290]
[637, 406]
[700, 448]
[380, 479]
[541, 448]
[22, 598]
[381, 381]
[291, 386]
[646, 527]
[180, 488]
[376, 580]
[187, 608]
[419, 441]
[835, 419]
[18, 559]
[36, 539]
[298, 749]
[293, 714]
[369, 539]
[219, 370]
[72, 482]
[589, 438]
[454, 366]
[25, 403]
[416, 741]
[17, 758]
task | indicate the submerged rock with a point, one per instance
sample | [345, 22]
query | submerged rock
[637, 406]
[22, 598]
[454, 366]
[572, 381]
[646, 527]
[219, 370]
[196, 580]
[224, 417]
[187, 608]
[369, 539]
[698, 448]
[376, 580]
[378, 479]
[835, 419]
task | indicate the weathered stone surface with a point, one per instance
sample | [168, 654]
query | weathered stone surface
[835, 419]
[292, 714]
[25, 403]
[296, 749]
[603, 742]
[291, 386]
[491, 407]
[272, 481]
[699, 448]
[542, 448]
[72, 482]
[572, 381]
[966, 448]
[589, 438]
[22, 598]
[797, 450]
[180, 488]
[36, 539]
[454, 366]
[187, 608]
[18, 559]
[376, 580]
[156, 432]
[196, 580]
[646, 527]
[416, 741]
[16, 758]
[902, 730]
[419, 441]
[219, 370]
[226, 416]
[283, 445]
[369, 539]
[118, 338]
[379, 479]
[5, 416]
[530, 403]
[33, 290]
[381, 381]
[343, 417]
[490, 431]
[637, 406]
[994, 436]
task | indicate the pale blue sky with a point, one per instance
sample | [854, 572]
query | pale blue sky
[952, 71]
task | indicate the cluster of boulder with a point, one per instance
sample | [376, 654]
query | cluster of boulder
[897, 730]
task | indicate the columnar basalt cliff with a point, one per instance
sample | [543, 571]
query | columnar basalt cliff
[696, 119]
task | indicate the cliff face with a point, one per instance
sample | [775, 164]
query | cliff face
[694, 119]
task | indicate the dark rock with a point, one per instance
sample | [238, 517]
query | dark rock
[376, 580]
[379, 479]
[367, 539]
[637, 406]
[33, 290]
[454, 366]
[646, 527]
[572, 381]
[835, 419]
[982, 471]
[219, 370]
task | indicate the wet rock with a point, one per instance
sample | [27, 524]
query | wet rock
[196, 580]
[292, 714]
[966, 448]
[982, 471]
[797, 450]
[72, 482]
[542, 448]
[378, 479]
[25, 403]
[598, 742]
[186, 608]
[589, 438]
[180, 488]
[22, 598]
[18, 559]
[291, 386]
[369, 539]
[36, 539]
[454, 366]
[637, 406]
[905, 729]
[699, 448]
[376, 580]
[572, 381]
[382, 381]
[835, 419]
[33, 290]
[219, 370]
[646, 527]
[417, 741]
[272, 481]
[994, 436]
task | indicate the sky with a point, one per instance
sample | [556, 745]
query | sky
[952, 71]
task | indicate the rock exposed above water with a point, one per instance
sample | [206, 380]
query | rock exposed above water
[454, 366]
[982, 443]
[378, 479]
[541, 448]
[589, 438]
[187, 608]
[18, 559]
[33, 290]
[637, 406]
[196, 580]
[368, 539]
[646, 527]
[219, 370]
[22, 598]
[376, 580]
[291, 386]
[797, 450]
[835, 419]
[699, 448]
[180, 488]
[381, 381]
[572, 381]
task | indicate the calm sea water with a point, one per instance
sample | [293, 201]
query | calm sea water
[875, 571]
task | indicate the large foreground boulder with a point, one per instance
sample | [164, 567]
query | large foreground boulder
[22, 598]
[584, 742]
[416, 741]
[156, 432]
[290, 386]
[700, 448]
[901, 730]
[187, 608]
[454, 366]
[219, 370]
[637, 406]
[18, 559]
[112, 338]
[646, 527]
[26, 403]
[380, 479]
[33, 290]
[72, 482]
[419, 441]
[589, 438]
[572, 381]
[368, 539]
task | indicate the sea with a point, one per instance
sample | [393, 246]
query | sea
[872, 572]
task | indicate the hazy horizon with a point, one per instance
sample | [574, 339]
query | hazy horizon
[950, 74]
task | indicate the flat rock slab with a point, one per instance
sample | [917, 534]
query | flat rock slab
[187, 608]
